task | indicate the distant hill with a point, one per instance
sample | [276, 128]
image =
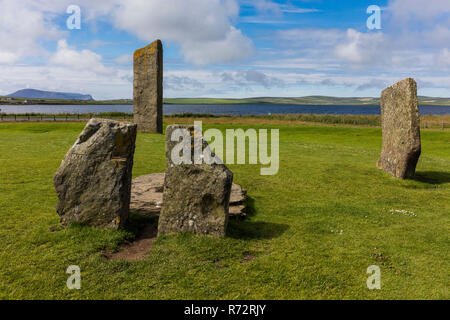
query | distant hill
[308, 100]
[39, 94]
[79, 99]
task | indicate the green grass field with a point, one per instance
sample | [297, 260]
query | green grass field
[314, 229]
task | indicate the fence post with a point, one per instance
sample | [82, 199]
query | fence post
[54, 118]
[15, 117]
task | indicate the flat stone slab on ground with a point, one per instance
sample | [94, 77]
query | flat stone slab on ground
[147, 196]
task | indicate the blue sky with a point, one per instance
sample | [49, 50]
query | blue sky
[227, 48]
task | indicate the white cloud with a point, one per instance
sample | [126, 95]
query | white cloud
[413, 42]
[271, 7]
[66, 79]
[417, 25]
[79, 60]
[360, 48]
[267, 6]
[8, 57]
[179, 83]
[245, 83]
[312, 37]
[406, 12]
[332, 49]
[234, 46]
[443, 58]
[298, 10]
[252, 77]
[124, 59]
[22, 25]
[205, 33]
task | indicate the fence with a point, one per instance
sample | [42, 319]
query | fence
[427, 125]
[63, 117]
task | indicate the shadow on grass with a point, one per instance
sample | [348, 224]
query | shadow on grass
[237, 228]
[250, 210]
[137, 222]
[245, 229]
[433, 177]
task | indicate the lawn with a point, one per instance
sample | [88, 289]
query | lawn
[313, 230]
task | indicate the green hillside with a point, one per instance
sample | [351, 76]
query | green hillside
[309, 100]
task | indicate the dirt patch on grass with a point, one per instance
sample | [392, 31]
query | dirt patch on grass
[248, 257]
[138, 249]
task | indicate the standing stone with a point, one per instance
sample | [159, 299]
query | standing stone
[148, 87]
[93, 182]
[196, 196]
[147, 196]
[400, 123]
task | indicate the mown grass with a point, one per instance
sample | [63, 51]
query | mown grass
[315, 228]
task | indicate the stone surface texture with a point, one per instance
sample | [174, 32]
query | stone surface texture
[93, 182]
[238, 201]
[148, 87]
[400, 124]
[196, 196]
[147, 196]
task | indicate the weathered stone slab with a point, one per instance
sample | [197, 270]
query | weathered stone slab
[147, 196]
[400, 123]
[93, 182]
[148, 87]
[238, 195]
[237, 211]
[196, 196]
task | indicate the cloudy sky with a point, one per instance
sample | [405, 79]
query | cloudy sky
[227, 48]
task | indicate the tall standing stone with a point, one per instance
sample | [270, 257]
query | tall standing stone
[196, 196]
[93, 182]
[148, 87]
[400, 123]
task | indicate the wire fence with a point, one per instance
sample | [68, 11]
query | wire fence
[64, 116]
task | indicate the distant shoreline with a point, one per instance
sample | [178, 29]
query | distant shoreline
[301, 101]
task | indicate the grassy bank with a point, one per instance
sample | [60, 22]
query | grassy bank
[315, 228]
[308, 100]
[427, 121]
